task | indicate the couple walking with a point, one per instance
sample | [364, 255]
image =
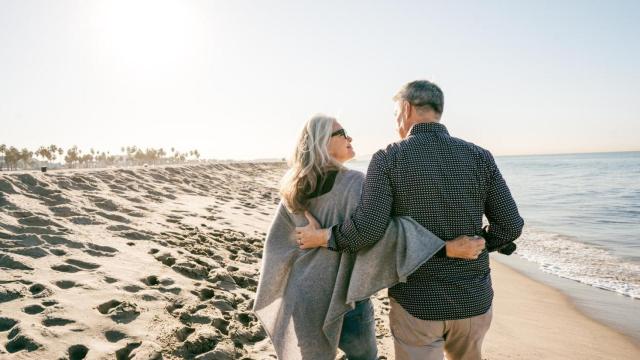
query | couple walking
[413, 224]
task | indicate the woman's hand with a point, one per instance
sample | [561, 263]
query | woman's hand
[465, 247]
[312, 236]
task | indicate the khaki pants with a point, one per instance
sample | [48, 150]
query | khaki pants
[427, 340]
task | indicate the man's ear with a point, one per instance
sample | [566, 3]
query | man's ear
[407, 109]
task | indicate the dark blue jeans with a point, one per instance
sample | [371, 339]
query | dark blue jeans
[358, 338]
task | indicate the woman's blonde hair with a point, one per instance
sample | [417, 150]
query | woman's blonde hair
[310, 160]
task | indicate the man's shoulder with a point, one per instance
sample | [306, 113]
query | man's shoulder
[389, 151]
[395, 149]
[473, 148]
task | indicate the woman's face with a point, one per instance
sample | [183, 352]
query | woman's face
[340, 144]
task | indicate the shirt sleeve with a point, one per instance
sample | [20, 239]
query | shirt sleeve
[368, 223]
[505, 223]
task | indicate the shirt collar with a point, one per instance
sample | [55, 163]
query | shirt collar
[428, 127]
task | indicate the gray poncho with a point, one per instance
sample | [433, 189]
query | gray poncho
[303, 294]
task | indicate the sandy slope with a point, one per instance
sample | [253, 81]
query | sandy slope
[136, 262]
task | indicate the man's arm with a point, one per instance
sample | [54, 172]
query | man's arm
[368, 223]
[505, 223]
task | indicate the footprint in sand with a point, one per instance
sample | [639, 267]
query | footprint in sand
[66, 284]
[10, 292]
[114, 335]
[37, 289]
[183, 333]
[136, 235]
[33, 309]
[82, 264]
[77, 352]
[56, 321]
[65, 268]
[204, 293]
[60, 240]
[132, 288]
[166, 259]
[200, 343]
[64, 211]
[150, 280]
[57, 252]
[48, 303]
[110, 280]
[113, 217]
[105, 204]
[98, 253]
[8, 262]
[107, 249]
[85, 220]
[123, 353]
[7, 323]
[20, 343]
[38, 221]
[221, 324]
[119, 311]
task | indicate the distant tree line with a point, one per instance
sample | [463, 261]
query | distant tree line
[14, 158]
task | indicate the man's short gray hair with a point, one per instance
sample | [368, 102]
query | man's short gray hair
[423, 95]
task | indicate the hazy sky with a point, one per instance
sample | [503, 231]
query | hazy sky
[237, 79]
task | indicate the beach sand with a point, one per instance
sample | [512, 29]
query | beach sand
[535, 321]
[163, 263]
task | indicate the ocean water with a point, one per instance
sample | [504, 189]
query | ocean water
[582, 215]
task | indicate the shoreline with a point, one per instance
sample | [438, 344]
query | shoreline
[609, 308]
[547, 323]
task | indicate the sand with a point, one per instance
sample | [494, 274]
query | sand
[163, 262]
[534, 321]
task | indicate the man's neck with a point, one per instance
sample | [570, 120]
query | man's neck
[426, 121]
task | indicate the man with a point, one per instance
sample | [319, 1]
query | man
[447, 185]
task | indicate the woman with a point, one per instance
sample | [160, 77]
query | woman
[311, 302]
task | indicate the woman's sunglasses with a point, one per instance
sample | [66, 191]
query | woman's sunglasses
[340, 132]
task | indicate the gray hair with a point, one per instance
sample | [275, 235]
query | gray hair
[310, 160]
[422, 94]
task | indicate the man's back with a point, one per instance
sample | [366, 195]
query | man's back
[445, 184]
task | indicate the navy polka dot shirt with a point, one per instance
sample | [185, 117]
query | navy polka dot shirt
[446, 184]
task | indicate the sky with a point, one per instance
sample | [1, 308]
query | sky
[238, 79]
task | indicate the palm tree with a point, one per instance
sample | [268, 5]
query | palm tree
[72, 156]
[26, 156]
[53, 152]
[161, 155]
[11, 157]
[3, 150]
[43, 152]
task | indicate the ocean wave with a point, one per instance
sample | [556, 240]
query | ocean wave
[568, 258]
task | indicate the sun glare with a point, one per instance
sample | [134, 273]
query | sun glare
[147, 34]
